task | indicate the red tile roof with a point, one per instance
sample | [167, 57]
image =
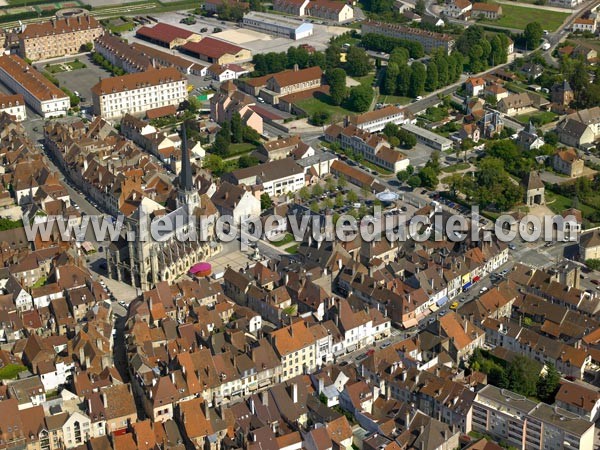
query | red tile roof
[137, 80]
[163, 32]
[29, 78]
[213, 48]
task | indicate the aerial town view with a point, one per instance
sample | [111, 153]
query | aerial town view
[300, 224]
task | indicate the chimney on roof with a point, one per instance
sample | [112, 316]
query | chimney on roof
[104, 400]
[466, 325]
[294, 392]
[206, 410]
[321, 385]
[252, 407]
[264, 398]
[296, 68]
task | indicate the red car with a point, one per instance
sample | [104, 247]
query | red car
[596, 282]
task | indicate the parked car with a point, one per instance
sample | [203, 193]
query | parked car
[454, 305]
[386, 345]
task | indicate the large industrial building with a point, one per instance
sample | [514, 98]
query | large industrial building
[277, 25]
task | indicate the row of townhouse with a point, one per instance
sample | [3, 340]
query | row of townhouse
[108, 168]
[423, 285]
[567, 359]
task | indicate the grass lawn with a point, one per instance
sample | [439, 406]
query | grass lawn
[292, 250]
[240, 149]
[285, 240]
[435, 114]
[542, 117]
[321, 102]
[75, 65]
[558, 203]
[367, 79]
[122, 27]
[456, 167]
[11, 371]
[518, 17]
[393, 99]
[57, 68]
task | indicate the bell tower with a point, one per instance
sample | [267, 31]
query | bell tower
[187, 194]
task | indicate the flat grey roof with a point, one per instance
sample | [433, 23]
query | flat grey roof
[561, 418]
[275, 20]
[427, 134]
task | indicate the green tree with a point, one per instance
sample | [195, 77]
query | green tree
[265, 201]
[414, 181]
[442, 67]
[332, 57]
[428, 177]
[399, 56]
[237, 128]
[339, 200]
[342, 183]
[533, 34]
[221, 145]
[317, 190]
[417, 79]
[522, 376]
[247, 161]
[214, 164]
[331, 184]
[352, 197]
[593, 264]
[403, 81]
[336, 78]
[360, 98]
[304, 194]
[431, 82]
[420, 7]
[357, 62]
[390, 129]
[390, 79]
[548, 385]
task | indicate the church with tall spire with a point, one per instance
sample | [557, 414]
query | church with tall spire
[187, 195]
[145, 262]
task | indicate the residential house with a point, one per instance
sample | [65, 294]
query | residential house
[528, 138]
[236, 201]
[474, 86]
[568, 162]
[580, 128]
[581, 25]
[458, 8]
[486, 10]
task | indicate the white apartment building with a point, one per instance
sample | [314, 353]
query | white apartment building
[276, 177]
[526, 424]
[76, 430]
[374, 121]
[14, 105]
[137, 93]
[39, 93]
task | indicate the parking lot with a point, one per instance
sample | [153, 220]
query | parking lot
[81, 80]
[255, 41]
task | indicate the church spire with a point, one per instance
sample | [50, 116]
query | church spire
[185, 175]
[187, 195]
